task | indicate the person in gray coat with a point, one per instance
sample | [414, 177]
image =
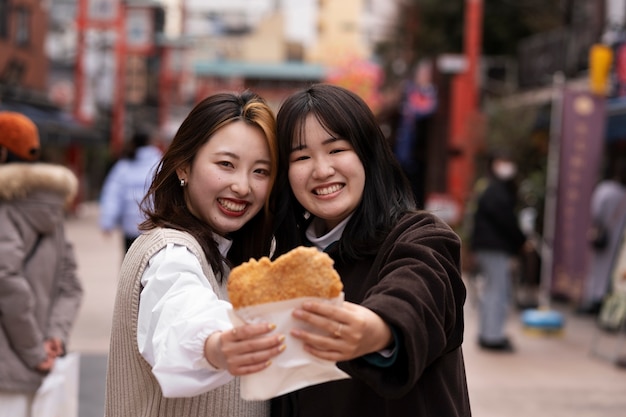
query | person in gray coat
[40, 294]
[608, 208]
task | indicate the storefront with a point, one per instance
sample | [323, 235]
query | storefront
[65, 141]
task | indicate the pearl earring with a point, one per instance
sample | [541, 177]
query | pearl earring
[182, 182]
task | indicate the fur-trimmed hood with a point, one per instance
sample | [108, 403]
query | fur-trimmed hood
[18, 180]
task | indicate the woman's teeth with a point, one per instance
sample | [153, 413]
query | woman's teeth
[232, 206]
[328, 190]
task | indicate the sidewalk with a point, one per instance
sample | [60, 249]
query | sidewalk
[546, 377]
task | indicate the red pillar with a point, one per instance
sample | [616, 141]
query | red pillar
[85, 22]
[119, 99]
[164, 87]
[79, 72]
[464, 108]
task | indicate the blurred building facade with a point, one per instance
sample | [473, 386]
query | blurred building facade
[565, 115]
[24, 72]
[117, 66]
[273, 46]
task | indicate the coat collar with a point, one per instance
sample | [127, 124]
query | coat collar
[17, 180]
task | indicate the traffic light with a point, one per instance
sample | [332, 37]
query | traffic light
[600, 62]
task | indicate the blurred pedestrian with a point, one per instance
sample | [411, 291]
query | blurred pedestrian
[40, 293]
[399, 333]
[125, 186]
[608, 214]
[496, 237]
[418, 103]
[174, 351]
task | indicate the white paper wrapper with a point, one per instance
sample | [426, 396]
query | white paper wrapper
[292, 369]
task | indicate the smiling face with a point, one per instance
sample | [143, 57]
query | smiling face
[229, 179]
[325, 174]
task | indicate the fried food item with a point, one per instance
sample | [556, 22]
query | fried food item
[301, 272]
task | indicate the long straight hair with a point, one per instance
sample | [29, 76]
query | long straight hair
[164, 204]
[387, 193]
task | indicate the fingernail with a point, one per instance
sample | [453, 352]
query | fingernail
[271, 326]
[282, 347]
[268, 363]
[281, 338]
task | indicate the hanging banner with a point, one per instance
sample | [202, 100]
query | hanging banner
[582, 137]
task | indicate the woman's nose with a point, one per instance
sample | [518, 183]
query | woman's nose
[323, 168]
[241, 184]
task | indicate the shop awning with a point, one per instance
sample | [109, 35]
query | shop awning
[55, 125]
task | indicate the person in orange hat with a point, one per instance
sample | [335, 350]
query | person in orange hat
[40, 293]
[19, 137]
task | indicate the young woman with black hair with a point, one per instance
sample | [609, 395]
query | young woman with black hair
[399, 332]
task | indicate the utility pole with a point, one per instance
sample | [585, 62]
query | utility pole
[104, 16]
[464, 107]
[119, 97]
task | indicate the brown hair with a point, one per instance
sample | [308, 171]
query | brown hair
[164, 204]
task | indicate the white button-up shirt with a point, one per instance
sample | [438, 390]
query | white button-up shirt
[178, 310]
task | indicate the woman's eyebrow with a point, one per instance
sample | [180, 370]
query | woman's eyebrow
[302, 146]
[227, 153]
[235, 156]
[299, 147]
[331, 140]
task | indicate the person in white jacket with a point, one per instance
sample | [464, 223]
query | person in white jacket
[125, 186]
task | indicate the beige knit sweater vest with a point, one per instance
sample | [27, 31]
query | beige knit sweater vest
[131, 389]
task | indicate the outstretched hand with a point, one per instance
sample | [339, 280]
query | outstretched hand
[245, 349]
[344, 332]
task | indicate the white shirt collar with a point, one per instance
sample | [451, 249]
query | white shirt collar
[322, 242]
[223, 244]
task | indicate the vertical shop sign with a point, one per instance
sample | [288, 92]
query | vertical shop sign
[582, 138]
[620, 70]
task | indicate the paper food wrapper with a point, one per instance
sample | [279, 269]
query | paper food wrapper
[294, 368]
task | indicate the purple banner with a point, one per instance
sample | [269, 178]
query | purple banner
[582, 138]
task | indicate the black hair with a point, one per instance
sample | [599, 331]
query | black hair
[138, 140]
[387, 193]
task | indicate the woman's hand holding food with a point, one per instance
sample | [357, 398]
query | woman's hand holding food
[245, 349]
[348, 331]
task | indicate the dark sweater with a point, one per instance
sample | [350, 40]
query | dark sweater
[414, 284]
[495, 223]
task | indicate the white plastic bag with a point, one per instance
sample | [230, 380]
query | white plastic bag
[58, 394]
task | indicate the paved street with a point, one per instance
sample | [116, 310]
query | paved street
[553, 376]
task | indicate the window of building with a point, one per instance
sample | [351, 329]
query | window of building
[295, 51]
[22, 26]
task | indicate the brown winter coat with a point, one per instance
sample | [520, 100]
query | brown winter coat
[39, 291]
[414, 284]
